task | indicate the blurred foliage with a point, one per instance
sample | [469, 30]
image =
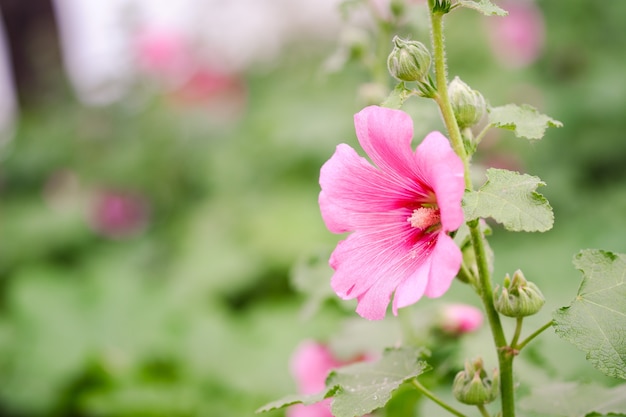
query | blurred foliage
[195, 315]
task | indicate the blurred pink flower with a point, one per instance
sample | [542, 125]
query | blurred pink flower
[517, 39]
[205, 84]
[119, 214]
[163, 53]
[460, 318]
[399, 212]
[310, 365]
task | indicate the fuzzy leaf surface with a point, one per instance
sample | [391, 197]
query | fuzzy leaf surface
[510, 199]
[366, 386]
[484, 6]
[595, 322]
[576, 400]
[525, 121]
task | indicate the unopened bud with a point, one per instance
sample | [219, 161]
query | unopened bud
[409, 60]
[468, 105]
[472, 385]
[457, 319]
[518, 297]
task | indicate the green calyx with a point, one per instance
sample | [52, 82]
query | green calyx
[441, 6]
[409, 60]
[468, 105]
[473, 386]
[518, 297]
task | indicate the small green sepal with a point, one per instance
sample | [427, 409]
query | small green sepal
[442, 6]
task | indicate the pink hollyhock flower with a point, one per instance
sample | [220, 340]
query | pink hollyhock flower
[460, 318]
[399, 213]
[517, 39]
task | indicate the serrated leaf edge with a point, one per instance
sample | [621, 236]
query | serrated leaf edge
[534, 193]
[548, 121]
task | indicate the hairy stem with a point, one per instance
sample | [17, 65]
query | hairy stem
[505, 356]
[485, 289]
[436, 399]
[442, 98]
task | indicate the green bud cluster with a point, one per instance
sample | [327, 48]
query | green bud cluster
[518, 297]
[468, 105]
[409, 60]
[472, 385]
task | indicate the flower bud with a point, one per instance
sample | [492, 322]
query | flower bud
[468, 105]
[518, 297]
[409, 60]
[457, 319]
[472, 386]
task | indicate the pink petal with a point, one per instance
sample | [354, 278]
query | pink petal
[445, 262]
[369, 265]
[443, 170]
[385, 135]
[352, 186]
[412, 288]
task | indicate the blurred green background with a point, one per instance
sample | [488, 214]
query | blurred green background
[188, 309]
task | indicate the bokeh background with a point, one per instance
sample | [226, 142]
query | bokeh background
[161, 249]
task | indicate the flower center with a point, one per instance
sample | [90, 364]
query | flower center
[424, 218]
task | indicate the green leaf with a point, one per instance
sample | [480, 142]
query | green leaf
[397, 97]
[297, 399]
[510, 199]
[363, 387]
[366, 386]
[575, 400]
[484, 6]
[525, 121]
[595, 321]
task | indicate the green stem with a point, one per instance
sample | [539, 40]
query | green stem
[483, 410]
[482, 134]
[532, 336]
[518, 331]
[436, 399]
[505, 356]
[442, 98]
